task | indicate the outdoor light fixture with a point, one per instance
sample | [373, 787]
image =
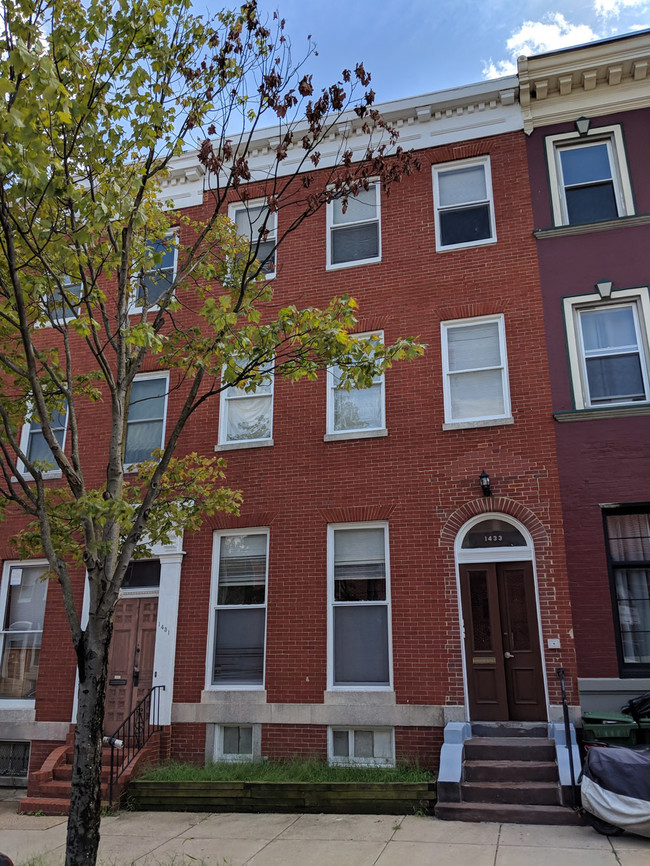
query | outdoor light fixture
[604, 288]
[582, 125]
[484, 480]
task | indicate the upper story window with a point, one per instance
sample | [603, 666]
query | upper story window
[475, 370]
[255, 221]
[34, 446]
[22, 610]
[359, 410]
[145, 428]
[464, 208]
[239, 604]
[628, 542]
[246, 417]
[159, 270]
[353, 229]
[588, 176]
[608, 349]
[63, 304]
[360, 648]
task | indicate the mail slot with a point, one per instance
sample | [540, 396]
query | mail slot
[484, 660]
[117, 681]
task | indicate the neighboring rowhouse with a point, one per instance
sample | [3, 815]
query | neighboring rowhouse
[328, 617]
[587, 115]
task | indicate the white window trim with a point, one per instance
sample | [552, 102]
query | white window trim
[360, 432]
[350, 761]
[272, 235]
[572, 306]
[135, 307]
[505, 417]
[234, 393]
[214, 592]
[24, 443]
[68, 315]
[17, 703]
[356, 687]
[163, 374]
[620, 174]
[255, 755]
[441, 168]
[329, 266]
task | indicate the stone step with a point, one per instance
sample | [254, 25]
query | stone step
[509, 748]
[63, 773]
[507, 813]
[510, 771]
[48, 805]
[523, 793]
[509, 729]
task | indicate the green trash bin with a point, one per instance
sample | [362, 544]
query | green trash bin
[616, 729]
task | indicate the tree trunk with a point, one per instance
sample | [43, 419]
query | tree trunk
[85, 796]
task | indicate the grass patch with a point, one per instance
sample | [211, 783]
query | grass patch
[283, 771]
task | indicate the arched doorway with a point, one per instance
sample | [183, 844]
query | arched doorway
[503, 658]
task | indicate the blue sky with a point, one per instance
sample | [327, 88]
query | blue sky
[418, 46]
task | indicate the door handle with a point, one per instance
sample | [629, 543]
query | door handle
[508, 655]
[136, 676]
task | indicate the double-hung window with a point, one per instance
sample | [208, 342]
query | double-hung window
[255, 221]
[475, 370]
[22, 610]
[246, 414]
[588, 176]
[628, 538]
[62, 304]
[239, 609]
[608, 349]
[356, 411]
[145, 429]
[158, 271]
[33, 442]
[464, 209]
[353, 229]
[360, 631]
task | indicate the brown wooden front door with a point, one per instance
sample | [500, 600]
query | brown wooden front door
[131, 658]
[504, 665]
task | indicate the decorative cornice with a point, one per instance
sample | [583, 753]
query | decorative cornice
[601, 78]
[184, 181]
[459, 114]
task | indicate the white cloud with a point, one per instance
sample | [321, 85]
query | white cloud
[537, 37]
[613, 8]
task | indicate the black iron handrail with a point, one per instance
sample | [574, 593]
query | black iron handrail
[134, 732]
[567, 734]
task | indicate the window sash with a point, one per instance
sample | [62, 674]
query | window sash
[157, 278]
[474, 388]
[249, 218]
[247, 416]
[145, 426]
[22, 595]
[359, 409]
[239, 594]
[614, 371]
[463, 200]
[360, 637]
[36, 448]
[354, 237]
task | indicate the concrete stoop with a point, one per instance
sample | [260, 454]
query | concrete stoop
[49, 789]
[509, 775]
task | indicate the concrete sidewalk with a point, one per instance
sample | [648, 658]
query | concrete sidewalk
[190, 839]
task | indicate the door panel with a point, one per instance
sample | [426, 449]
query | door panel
[131, 658]
[504, 669]
[518, 611]
[483, 649]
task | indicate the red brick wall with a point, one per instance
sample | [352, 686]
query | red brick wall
[188, 743]
[288, 741]
[418, 477]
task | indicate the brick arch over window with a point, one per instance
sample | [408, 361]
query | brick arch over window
[488, 505]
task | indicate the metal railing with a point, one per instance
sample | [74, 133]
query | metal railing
[134, 732]
[567, 735]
